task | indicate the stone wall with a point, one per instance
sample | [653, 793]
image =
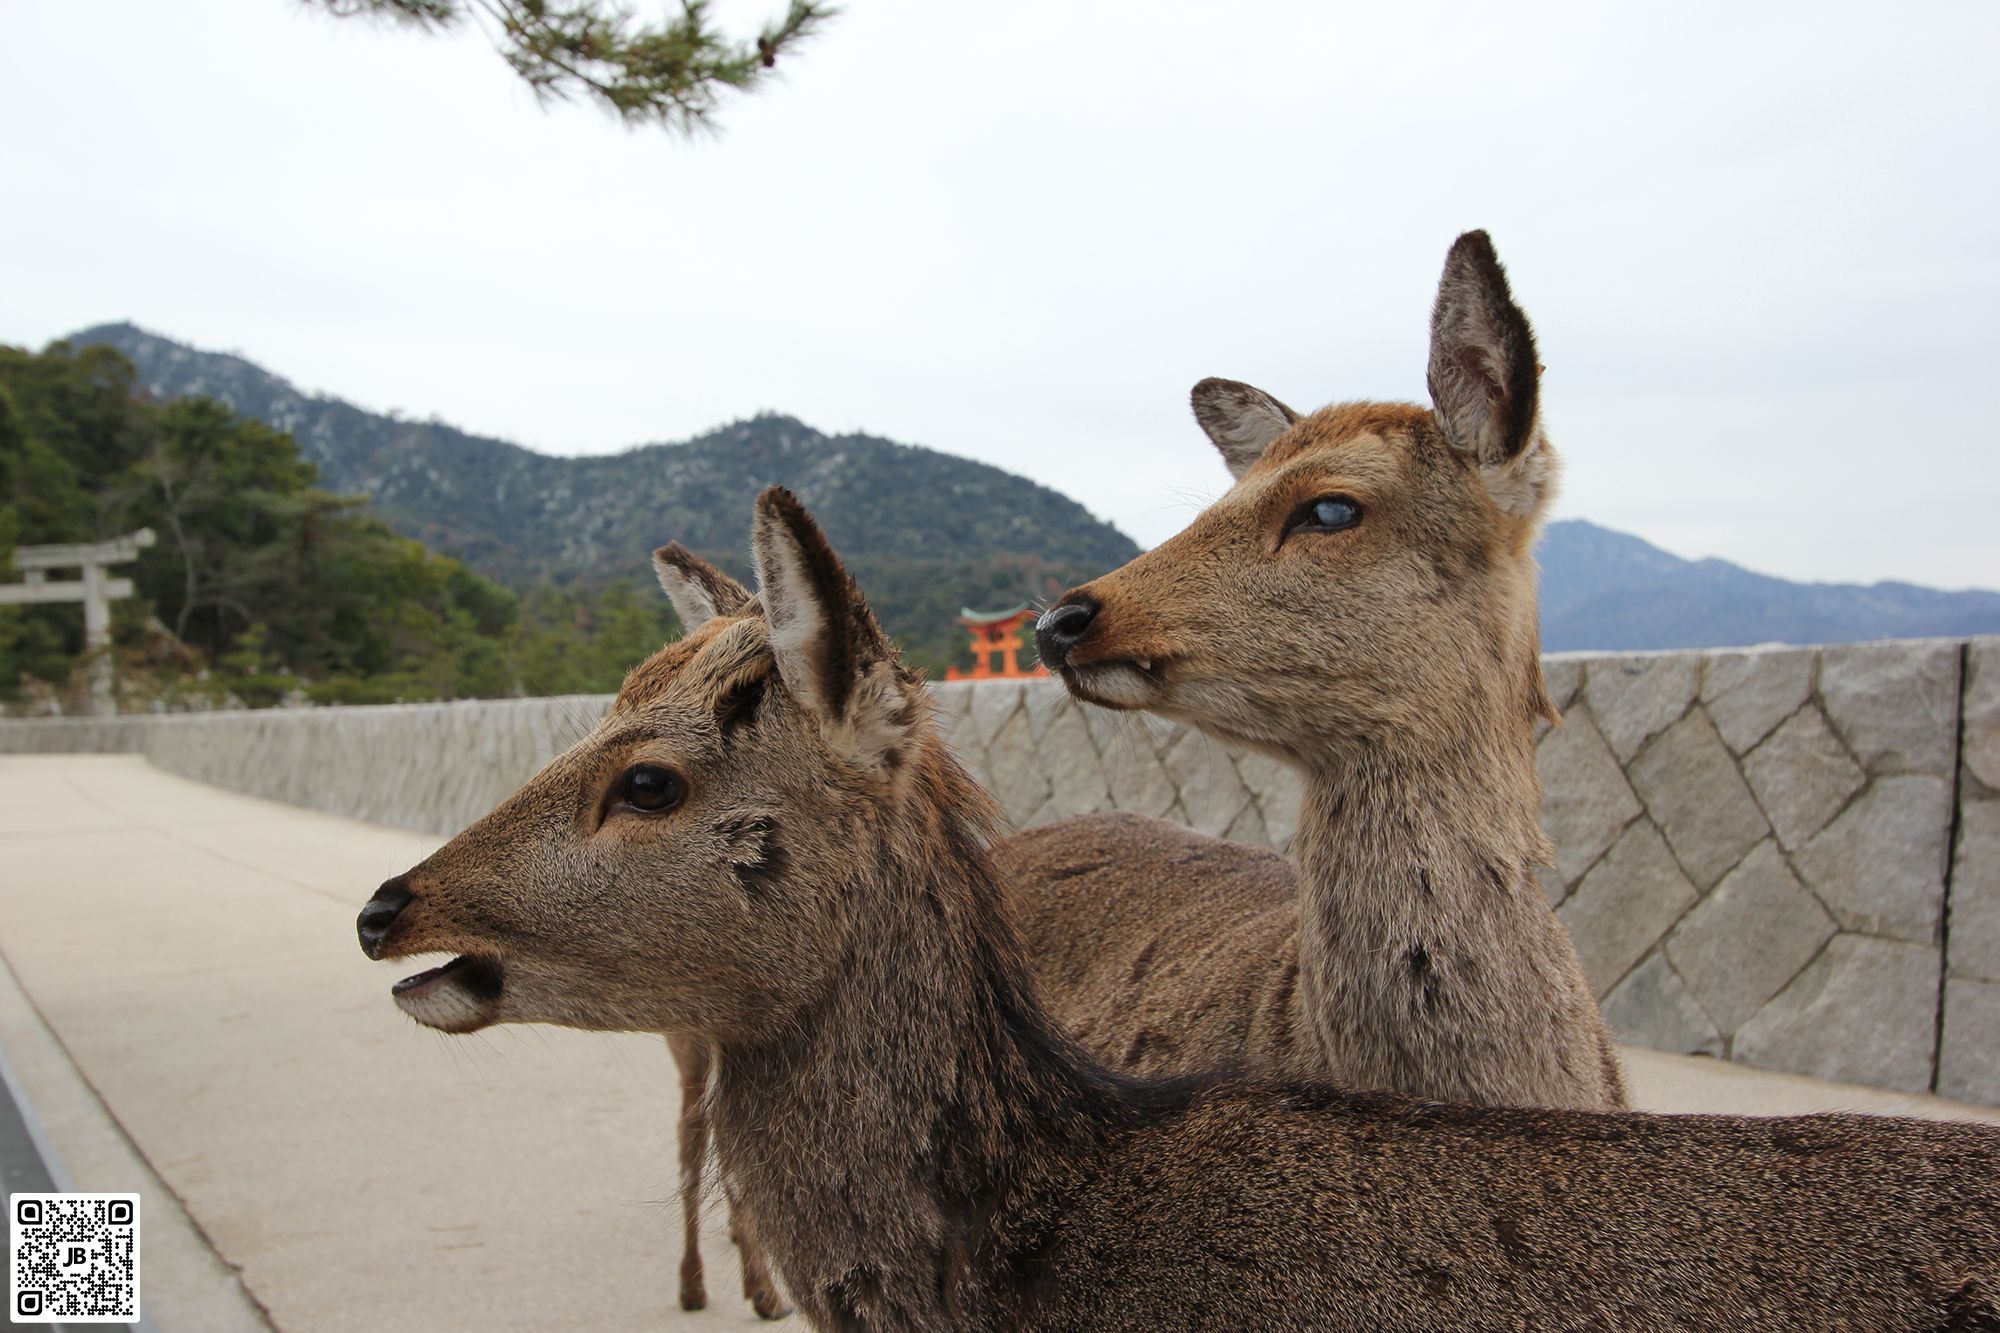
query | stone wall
[1784, 856]
[1969, 1051]
[430, 767]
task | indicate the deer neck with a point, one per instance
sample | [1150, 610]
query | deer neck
[1422, 927]
[876, 1138]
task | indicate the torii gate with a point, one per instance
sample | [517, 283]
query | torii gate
[996, 639]
[93, 589]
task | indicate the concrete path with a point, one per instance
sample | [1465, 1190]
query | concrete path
[185, 1009]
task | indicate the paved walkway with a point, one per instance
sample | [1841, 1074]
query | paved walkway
[185, 1009]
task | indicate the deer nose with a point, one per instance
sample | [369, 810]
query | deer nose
[1061, 626]
[380, 914]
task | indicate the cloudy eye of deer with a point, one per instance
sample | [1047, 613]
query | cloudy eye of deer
[1329, 513]
[651, 789]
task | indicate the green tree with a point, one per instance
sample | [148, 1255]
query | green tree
[64, 416]
[672, 72]
[627, 626]
[221, 492]
[274, 584]
[580, 640]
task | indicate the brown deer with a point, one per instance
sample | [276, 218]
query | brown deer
[1393, 654]
[767, 846]
[1362, 605]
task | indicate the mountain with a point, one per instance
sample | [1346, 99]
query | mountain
[1609, 590]
[926, 532]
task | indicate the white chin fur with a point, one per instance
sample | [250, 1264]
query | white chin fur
[1115, 684]
[448, 1007]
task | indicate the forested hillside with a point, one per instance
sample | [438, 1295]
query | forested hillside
[925, 532]
[262, 586]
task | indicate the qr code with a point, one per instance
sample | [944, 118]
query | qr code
[73, 1258]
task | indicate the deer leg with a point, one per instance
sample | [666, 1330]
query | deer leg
[692, 1058]
[759, 1286]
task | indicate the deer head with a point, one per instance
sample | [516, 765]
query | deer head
[685, 867]
[1368, 574]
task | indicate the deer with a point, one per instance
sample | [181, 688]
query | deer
[1361, 605]
[766, 845]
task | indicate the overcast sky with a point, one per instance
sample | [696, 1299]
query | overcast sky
[1757, 242]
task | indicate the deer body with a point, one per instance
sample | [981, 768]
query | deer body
[1410, 948]
[766, 846]
[1160, 950]
[1393, 656]
[1010, 1184]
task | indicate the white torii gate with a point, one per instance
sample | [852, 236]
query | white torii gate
[93, 589]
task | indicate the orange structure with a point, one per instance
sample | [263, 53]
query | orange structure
[996, 645]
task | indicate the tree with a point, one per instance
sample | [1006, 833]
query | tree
[276, 586]
[671, 73]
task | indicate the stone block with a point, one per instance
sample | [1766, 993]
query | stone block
[1865, 1011]
[951, 700]
[1117, 734]
[973, 759]
[1625, 904]
[994, 704]
[1211, 793]
[1277, 789]
[1138, 781]
[1975, 893]
[1017, 776]
[1635, 698]
[1653, 1008]
[1586, 802]
[1982, 710]
[1049, 705]
[1249, 827]
[1691, 787]
[1746, 941]
[1077, 784]
[1969, 1056]
[1895, 703]
[1880, 866]
[1748, 692]
[1048, 813]
[1802, 775]
[1563, 674]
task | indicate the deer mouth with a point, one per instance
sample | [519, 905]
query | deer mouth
[1122, 682]
[461, 996]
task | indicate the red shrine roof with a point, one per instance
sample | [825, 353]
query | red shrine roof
[970, 617]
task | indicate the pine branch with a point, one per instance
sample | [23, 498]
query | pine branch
[671, 73]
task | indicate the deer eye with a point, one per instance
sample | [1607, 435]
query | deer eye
[1329, 513]
[651, 788]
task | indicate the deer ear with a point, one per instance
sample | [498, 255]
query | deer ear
[831, 653]
[1483, 376]
[1241, 421]
[699, 591]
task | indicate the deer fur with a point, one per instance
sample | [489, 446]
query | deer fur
[1397, 665]
[925, 1149]
[699, 592]
[1411, 946]
[692, 1058]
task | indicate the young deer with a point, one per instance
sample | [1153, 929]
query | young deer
[767, 846]
[1361, 605]
[1392, 652]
